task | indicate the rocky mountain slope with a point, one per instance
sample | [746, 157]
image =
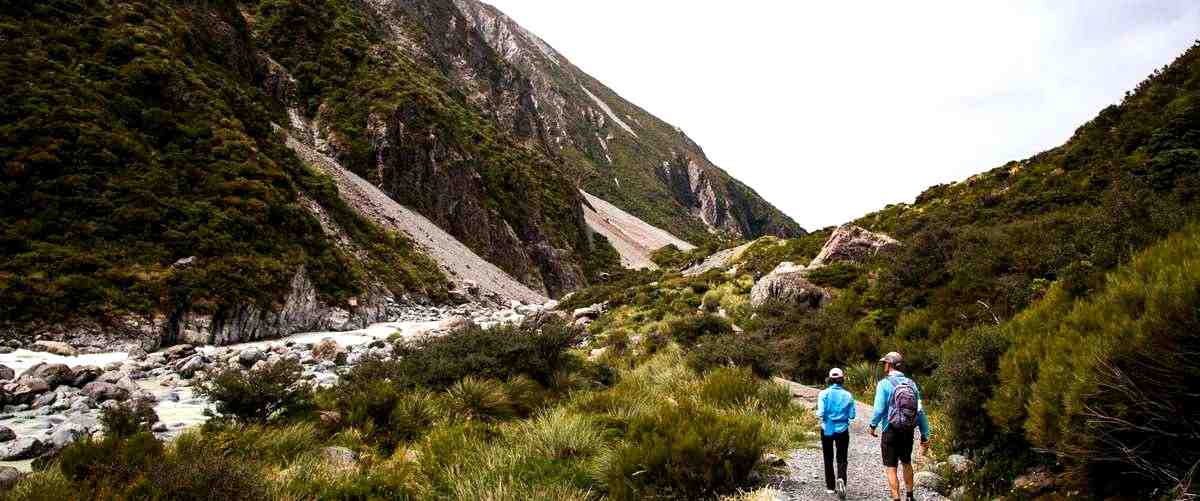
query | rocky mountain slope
[633, 238]
[615, 150]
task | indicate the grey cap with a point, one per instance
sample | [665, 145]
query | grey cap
[835, 373]
[892, 358]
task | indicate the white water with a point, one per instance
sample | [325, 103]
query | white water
[187, 410]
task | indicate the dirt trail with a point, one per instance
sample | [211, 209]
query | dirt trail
[806, 477]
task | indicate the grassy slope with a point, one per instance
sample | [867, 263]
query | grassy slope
[133, 136]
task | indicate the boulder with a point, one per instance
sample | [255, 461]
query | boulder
[6, 373]
[6, 434]
[101, 391]
[1034, 481]
[85, 374]
[191, 366]
[9, 476]
[772, 459]
[66, 434]
[852, 243]
[179, 351]
[250, 356]
[25, 389]
[44, 400]
[55, 347]
[929, 480]
[54, 375]
[959, 463]
[786, 284]
[340, 457]
[594, 311]
[22, 448]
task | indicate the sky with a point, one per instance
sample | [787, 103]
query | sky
[831, 110]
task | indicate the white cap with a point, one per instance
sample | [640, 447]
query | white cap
[835, 373]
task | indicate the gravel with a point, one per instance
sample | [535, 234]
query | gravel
[865, 478]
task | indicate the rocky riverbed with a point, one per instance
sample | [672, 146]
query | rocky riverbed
[52, 396]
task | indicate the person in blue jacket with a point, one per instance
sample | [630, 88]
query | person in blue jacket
[899, 410]
[835, 407]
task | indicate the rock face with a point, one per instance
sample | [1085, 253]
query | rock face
[852, 243]
[786, 284]
[633, 238]
[625, 155]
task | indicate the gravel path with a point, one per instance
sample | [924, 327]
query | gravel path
[806, 477]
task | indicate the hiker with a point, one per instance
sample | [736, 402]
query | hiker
[835, 406]
[898, 409]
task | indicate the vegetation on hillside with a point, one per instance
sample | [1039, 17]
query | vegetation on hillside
[132, 136]
[507, 414]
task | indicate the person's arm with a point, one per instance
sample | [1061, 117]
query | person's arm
[821, 405]
[880, 403]
[853, 406]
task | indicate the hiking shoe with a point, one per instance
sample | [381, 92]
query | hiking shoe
[829, 492]
[841, 488]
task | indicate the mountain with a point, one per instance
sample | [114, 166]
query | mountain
[152, 182]
[615, 150]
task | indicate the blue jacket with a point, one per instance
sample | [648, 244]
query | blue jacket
[883, 400]
[835, 407]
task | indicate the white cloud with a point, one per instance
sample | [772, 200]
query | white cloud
[833, 109]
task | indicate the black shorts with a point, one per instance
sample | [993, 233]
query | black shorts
[897, 447]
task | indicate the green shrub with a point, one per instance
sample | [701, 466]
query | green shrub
[129, 418]
[255, 395]
[194, 470]
[743, 350]
[472, 399]
[1106, 381]
[729, 387]
[111, 462]
[688, 329]
[537, 350]
[683, 452]
[838, 275]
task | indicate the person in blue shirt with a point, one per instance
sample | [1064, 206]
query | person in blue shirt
[835, 407]
[897, 444]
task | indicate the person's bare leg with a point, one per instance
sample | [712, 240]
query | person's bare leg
[893, 482]
[908, 478]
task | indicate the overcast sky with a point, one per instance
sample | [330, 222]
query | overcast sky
[834, 109]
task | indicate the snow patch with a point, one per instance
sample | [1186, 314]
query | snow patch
[608, 111]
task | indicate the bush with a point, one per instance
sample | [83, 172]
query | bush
[112, 461]
[257, 394]
[749, 351]
[194, 470]
[688, 329]
[968, 372]
[128, 419]
[729, 387]
[1107, 382]
[536, 349]
[472, 399]
[683, 452]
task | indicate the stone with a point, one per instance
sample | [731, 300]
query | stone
[25, 389]
[339, 457]
[929, 480]
[85, 374]
[66, 434]
[854, 244]
[7, 434]
[250, 356]
[959, 463]
[179, 351]
[772, 459]
[594, 311]
[786, 284]
[22, 448]
[55, 347]
[191, 366]
[44, 400]
[9, 476]
[100, 391]
[6, 373]
[54, 375]
[1034, 481]
[137, 353]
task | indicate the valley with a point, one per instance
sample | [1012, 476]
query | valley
[405, 249]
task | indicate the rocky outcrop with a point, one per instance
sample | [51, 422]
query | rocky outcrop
[616, 147]
[716, 260]
[786, 285]
[852, 243]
